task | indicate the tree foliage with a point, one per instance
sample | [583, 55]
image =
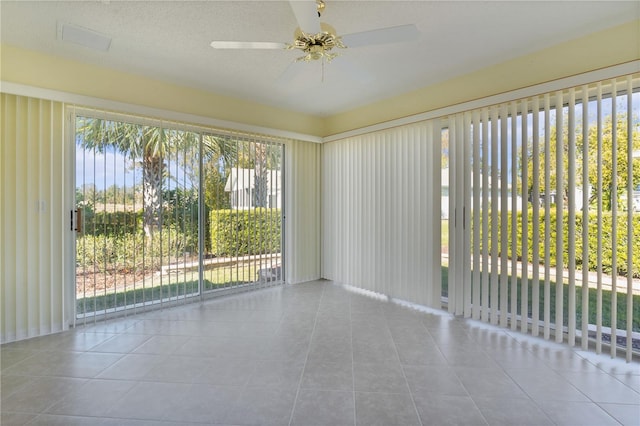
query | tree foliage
[220, 155]
[600, 152]
[146, 145]
[604, 146]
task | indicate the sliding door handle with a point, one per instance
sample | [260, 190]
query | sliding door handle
[79, 220]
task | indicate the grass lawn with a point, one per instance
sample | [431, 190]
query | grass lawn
[606, 303]
[171, 286]
[445, 233]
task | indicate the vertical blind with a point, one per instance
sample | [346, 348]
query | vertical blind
[32, 219]
[543, 233]
[380, 212]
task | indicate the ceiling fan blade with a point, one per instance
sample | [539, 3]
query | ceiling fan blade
[306, 12]
[382, 36]
[247, 45]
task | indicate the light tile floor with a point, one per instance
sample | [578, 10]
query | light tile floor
[309, 354]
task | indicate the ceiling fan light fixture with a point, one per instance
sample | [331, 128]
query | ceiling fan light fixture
[317, 46]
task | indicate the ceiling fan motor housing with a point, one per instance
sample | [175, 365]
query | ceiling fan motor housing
[317, 46]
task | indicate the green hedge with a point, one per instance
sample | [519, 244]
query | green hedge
[119, 226]
[606, 242]
[133, 250]
[245, 232]
[112, 223]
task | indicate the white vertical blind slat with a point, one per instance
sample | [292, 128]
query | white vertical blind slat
[495, 216]
[559, 215]
[614, 220]
[630, 228]
[599, 220]
[29, 297]
[433, 133]
[453, 234]
[571, 244]
[7, 199]
[486, 150]
[504, 215]
[524, 306]
[535, 196]
[585, 218]
[466, 213]
[476, 215]
[459, 216]
[547, 216]
[513, 302]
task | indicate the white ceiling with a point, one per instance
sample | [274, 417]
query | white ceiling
[169, 40]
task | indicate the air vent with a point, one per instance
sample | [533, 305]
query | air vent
[83, 36]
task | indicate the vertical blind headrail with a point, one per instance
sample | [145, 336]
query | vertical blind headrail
[620, 88]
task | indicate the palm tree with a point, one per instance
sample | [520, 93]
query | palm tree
[266, 157]
[219, 157]
[147, 145]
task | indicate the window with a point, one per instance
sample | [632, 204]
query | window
[547, 195]
[166, 213]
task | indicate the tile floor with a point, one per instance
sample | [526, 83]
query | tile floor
[308, 354]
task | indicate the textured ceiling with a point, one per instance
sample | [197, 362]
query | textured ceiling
[169, 40]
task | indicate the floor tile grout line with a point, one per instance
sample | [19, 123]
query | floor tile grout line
[529, 397]
[321, 300]
[454, 370]
[404, 375]
[599, 404]
[535, 402]
[315, 321]
[353, 367]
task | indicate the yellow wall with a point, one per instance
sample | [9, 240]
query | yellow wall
[49, 72]
[614, 46]
[599, 50]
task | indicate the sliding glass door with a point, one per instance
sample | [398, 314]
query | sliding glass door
[243, 197]
[543, 219]
[165, 213]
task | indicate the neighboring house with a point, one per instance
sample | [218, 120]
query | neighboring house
[444, 202]
[635, 200]
[241, 186]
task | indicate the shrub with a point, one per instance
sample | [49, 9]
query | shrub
[112, 223]
[606, 240]
[132, 250]
[245, 232]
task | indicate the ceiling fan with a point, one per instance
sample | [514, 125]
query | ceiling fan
[318, 39]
